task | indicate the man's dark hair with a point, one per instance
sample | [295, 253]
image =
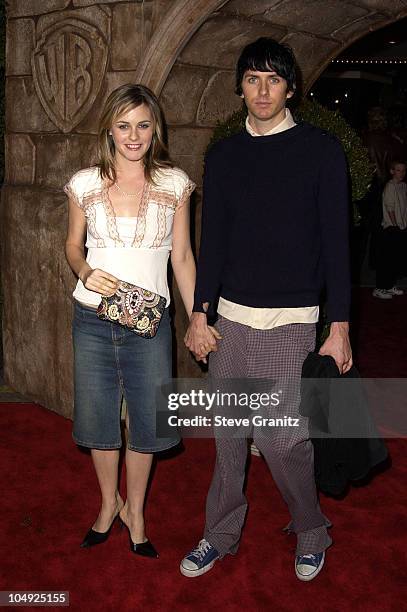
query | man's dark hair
[267, 55]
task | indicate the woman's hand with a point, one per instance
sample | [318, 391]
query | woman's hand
[100, 281]
[94, 279]
[200, 338]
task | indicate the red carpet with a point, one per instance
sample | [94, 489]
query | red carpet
[49, 502]
[379, 329]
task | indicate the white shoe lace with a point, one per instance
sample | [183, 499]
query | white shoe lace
[200, 551]
[313, 558]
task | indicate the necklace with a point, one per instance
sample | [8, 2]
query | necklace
[129, 195]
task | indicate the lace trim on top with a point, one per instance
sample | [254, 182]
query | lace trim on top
[189, 188]
[71, 194]
[103, 196]
[150, 193]
[141, 217]
[110, 216]
[164, 200]
[85, 205]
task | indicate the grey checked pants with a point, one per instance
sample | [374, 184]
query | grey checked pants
[278, 353]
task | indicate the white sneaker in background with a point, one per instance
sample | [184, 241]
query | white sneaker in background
[395, 291]
[383, 294]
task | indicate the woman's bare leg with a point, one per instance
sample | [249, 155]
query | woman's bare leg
[138, 466]
[106, 464]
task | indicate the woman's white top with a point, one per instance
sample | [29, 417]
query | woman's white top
[133, 249]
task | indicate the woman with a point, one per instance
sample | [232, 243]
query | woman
[133, 209]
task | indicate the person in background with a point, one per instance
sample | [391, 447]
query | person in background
[392, 250]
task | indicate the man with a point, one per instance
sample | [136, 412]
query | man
[274, 233]
[390, 261]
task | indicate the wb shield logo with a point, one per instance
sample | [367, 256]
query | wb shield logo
[68, 64]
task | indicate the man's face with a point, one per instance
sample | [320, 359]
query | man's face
[265, 95]
[399, 172]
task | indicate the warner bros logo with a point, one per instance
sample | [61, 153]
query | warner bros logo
[69, 63]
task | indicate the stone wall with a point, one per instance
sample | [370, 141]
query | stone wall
[63, 59]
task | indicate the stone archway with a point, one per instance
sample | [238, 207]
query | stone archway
[168, 41]
[318, 30]
[190, 59]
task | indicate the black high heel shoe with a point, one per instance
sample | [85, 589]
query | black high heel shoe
[144, 549]
[93, 538]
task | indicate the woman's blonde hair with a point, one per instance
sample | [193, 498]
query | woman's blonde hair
[120, 101]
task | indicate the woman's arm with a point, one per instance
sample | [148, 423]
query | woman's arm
[93, 279]
[183, 264]
[182, 259]
[75, 239]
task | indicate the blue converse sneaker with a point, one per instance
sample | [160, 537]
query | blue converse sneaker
[200, 560]
[309, 566]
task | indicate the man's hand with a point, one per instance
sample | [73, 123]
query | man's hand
[337, 345]
[200, 338]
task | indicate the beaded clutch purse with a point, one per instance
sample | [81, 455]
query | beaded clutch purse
[137, 309]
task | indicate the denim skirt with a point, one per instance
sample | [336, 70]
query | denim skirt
[110, 362]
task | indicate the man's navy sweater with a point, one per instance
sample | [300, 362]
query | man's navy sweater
[275, 222]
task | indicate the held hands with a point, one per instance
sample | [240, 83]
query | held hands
[337, 345]
[99, 281]
[200, 337]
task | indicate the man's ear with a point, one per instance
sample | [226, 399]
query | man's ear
[290, 94]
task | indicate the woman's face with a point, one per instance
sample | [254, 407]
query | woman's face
[132, 134]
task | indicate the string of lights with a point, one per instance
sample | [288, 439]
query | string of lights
[369, 61]
[337, 100]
